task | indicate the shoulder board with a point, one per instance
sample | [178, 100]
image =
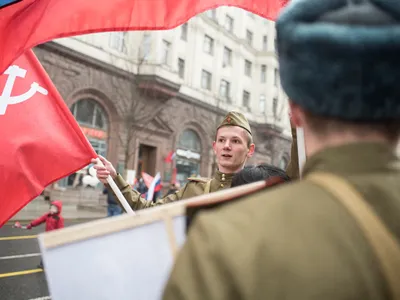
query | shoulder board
[199, 179]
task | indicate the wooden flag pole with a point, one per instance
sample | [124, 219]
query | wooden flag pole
[301, 148]
[117, 192]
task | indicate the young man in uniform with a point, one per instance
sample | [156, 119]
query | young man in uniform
[233, 145]
[334, 234]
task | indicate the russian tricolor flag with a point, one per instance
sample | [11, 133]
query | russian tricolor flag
[155, 186]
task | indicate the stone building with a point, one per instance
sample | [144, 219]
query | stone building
[172, 100]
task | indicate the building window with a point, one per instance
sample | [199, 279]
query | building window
[93, 121]
[229, 22]
[181, 68]
[249, 37]
[206, 80]
[189, 140]
[261, 104]
[263, 78]
[224, 89]
[88, 112]
[265, 43]
[227, 57]
[276, 77]
[212, 14]
[165, 52]
[275, 107]
[188, 156]
[247, 67]
[246, 99]
[145, 46]
[117, 41]
[184, 31]
[208, 46]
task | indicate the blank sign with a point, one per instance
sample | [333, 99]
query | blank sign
[125, 257]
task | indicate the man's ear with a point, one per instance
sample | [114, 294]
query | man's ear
[296, 115]
[252, 148]
[213, 145]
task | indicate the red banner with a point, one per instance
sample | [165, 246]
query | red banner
[28, 23]
[41, 141]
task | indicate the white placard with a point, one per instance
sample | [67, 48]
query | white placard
[112, 258]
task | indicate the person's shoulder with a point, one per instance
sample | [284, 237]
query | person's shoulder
[248, 219]
[272, 204]
[198, 179]
[196, 182]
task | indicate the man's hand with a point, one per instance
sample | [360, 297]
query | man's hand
[103, 172]
[18, 225]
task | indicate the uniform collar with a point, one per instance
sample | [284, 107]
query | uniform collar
[227, 177]
[353, 159]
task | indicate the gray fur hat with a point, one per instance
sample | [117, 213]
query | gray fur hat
[341, 58]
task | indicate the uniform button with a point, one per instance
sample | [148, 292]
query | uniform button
[223, 178]
[221, 185]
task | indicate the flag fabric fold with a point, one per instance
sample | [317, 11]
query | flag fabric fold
[41, 141]
[28, 23]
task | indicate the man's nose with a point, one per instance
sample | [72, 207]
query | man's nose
[227, 145]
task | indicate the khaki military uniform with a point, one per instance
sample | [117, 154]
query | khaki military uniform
[195, 187]
[274, 243]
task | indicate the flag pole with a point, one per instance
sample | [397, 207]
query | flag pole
[301, 148]
[117, 192]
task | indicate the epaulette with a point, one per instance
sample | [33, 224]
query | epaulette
[199, 179]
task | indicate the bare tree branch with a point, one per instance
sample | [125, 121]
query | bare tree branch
[137, 109]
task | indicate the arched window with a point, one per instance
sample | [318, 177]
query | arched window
[93, 121]
[89, 112]
[189, 140]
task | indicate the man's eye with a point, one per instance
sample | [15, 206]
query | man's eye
[236, 141]
[221, 140]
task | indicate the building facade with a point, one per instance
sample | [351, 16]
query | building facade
[140, 95]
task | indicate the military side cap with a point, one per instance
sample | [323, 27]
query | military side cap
[341, 58]
[234, 118]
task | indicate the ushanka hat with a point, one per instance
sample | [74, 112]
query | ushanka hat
[341, 58]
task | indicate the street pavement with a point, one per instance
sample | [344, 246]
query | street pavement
[20, 279]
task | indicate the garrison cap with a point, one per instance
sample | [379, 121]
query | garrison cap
[234, 118]
[341, 58]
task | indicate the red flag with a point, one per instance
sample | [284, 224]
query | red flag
[40, 139]
[147, 179]
[28, 23]
[170, 157]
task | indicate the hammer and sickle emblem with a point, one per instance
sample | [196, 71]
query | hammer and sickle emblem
[6, 99]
